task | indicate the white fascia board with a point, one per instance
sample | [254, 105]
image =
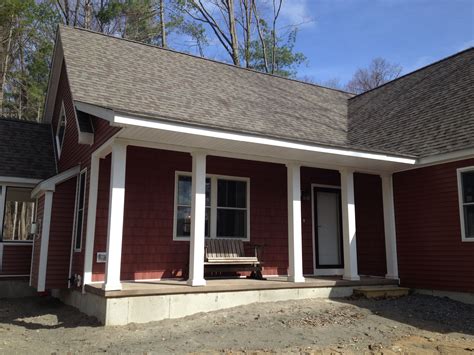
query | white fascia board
[94, 110]
[136, 121]
[9, 180]
[447, 157]
[54, 76]
[50, 184]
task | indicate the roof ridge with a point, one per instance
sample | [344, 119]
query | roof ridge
[203, 58]
[415, 71]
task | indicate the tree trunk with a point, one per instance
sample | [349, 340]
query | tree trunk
[6, 60]
[233, 33]
[163, 24]
[261, 36]
[276, 13]
[87, 14]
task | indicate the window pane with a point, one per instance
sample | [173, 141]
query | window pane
[183, 223]
[79, 229]
[61, 129]
[81, 191]
[469, 221]
[231, 193]
[208, 192]
[19, 214]
[231, 223]
[468, 187]
[185, 190]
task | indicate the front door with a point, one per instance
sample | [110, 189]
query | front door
[327, 230]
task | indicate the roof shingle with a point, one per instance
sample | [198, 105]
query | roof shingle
[427, 112]
[26, 149]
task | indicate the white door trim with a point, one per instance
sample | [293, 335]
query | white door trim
[321, 272]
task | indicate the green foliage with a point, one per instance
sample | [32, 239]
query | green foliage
[286, 59]
[28, 28]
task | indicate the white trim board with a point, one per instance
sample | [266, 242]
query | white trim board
[461, 201]
[18, 181]
[50, 184]
[240, 137]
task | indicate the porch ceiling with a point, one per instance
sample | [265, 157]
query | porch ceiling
[266, 150]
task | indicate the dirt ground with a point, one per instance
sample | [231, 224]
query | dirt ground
[414, 324]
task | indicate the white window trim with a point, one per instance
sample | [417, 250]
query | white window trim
[76, 211]
[59, 145]
[213, 225]
[461, 203]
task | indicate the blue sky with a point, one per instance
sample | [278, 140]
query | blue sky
[339, 36]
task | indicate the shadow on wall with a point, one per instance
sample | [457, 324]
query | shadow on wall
[36, 313]
[435, 314]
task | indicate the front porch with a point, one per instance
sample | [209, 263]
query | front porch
[146, 301]
[143, 234]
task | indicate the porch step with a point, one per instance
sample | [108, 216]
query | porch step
[386, 291]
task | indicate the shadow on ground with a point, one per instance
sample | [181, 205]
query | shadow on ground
[42, 313]
[435, 314]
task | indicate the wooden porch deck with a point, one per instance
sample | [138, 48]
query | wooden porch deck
[179, 286]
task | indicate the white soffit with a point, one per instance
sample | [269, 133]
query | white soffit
[218, 141]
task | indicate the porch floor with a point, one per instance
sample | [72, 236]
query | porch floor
[179, 286]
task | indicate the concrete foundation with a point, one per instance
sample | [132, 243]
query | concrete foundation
[143, 309]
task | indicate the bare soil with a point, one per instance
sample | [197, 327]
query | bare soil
[414, 324]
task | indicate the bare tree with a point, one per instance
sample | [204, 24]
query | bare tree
[377, 73]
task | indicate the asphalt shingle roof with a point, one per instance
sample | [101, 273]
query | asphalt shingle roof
[424, 113]
[132, 77]
[26, 149]
[427, 112]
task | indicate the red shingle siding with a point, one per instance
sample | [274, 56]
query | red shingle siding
[371, 258]
[148, 247]
[431, 254]
[37, 243]
[16, 259]
[60, 235]
[73, 154]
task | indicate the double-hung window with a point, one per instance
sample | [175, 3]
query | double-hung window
[79, 217]
[227, 212]
[466, 202]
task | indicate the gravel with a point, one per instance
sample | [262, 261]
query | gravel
[413, 324]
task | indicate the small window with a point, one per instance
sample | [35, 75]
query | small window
[79, 218]
[61, 130]
[19, 214]
[226, 210]
[466, 202]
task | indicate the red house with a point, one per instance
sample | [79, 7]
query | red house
[158, 151]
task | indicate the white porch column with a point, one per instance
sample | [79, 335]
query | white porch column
[349, 225]
[116, 211]
[295, 249]
[198, 216]
[43, 257]
[91, 218]
[389, 225]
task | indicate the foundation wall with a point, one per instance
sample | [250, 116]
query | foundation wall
[144, 309]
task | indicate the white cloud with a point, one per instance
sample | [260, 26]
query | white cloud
[298, 12]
